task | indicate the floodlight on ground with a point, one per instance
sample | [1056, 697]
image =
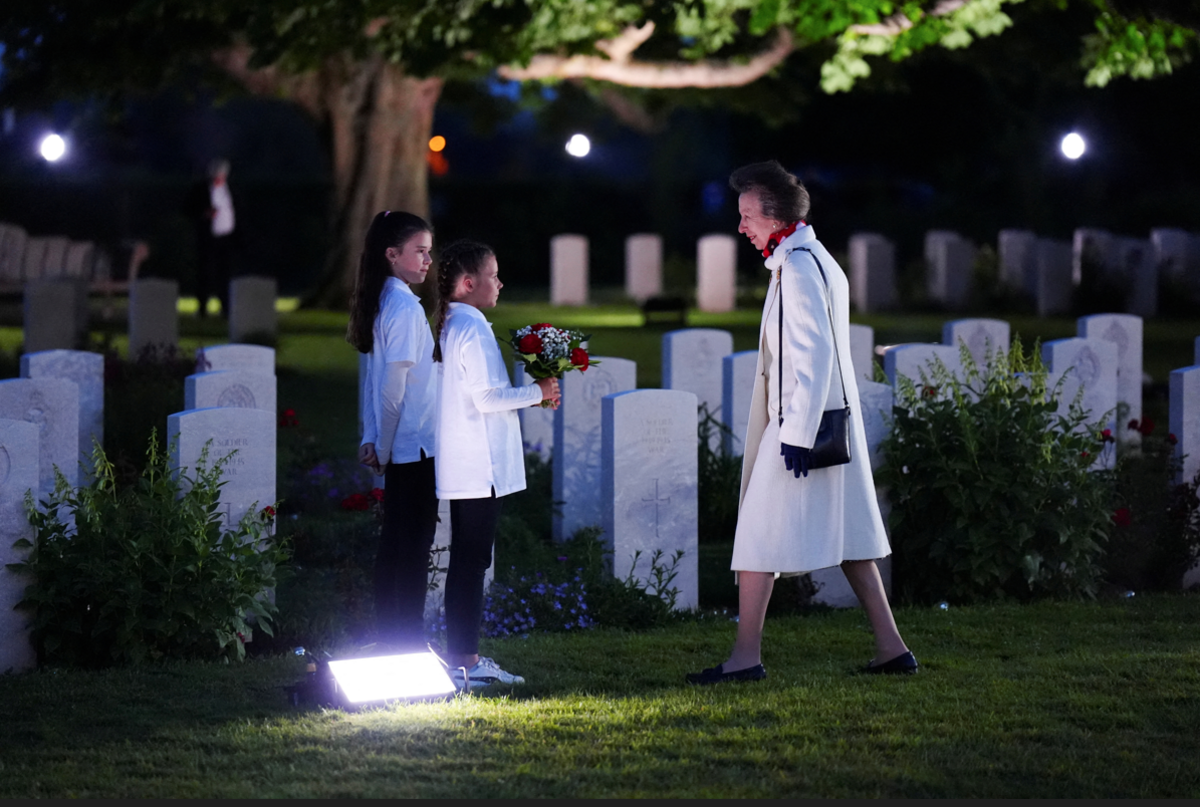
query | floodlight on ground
[385, 678]
[52, 148]
[1073, 146]
[579, 145]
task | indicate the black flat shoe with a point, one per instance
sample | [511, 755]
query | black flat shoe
[715, 675]
[903, 664]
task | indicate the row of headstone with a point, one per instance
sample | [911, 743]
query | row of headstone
[24, 258]
[716, 270]
[56, 312]
[1039, 267]
[53, 415]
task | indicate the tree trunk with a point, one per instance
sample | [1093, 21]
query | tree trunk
[378, 123]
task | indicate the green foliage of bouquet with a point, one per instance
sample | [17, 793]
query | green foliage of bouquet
[146, 571]
[993, 494]
[548, 352]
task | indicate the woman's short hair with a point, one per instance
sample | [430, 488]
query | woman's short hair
[782, 196]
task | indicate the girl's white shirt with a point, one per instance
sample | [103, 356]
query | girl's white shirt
[478, 434]
[400, 400]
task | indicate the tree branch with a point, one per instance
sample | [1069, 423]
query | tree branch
[620, 68]
[899, 23]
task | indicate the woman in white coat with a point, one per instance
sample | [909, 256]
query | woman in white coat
[792, 518]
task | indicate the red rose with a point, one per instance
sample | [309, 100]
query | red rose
[1106, 435]
[376, 494]
[1172, 439]
[268, 512]
[530, 343]
[1121, 517]
[1147, 427]
[356, 501]
[541, 325]
[579, 358]
[288, 418]
[1133, 424]
[1084, 455]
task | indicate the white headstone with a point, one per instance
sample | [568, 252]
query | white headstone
[691, 361]
[949, 260]
[12, 253]
[1173, 251]
[1090, 365]
[576, 471]
[1125, 331]
[876, 401]
[252, 307]
[1091, 249]
[643, 266]
[716, 272]
[33, 260]
[537, 424]
[650, 483]
[872, 272]
[1018, 259]
[51, 404]
[81, 256]
[251, 358]
[249, 476]
[737, 389]
[86, 371]
[569, 270]
[18, 474]
[912, 359]
[980, 337]
[1138, 272]
[230, 388]
[153, 315]
[862, 351]
[1052, 293]
[54, 263]
[1184, 420]
[52, 315]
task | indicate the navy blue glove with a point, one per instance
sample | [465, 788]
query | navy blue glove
[796, 459]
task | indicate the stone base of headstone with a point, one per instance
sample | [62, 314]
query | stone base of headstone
[649, 487]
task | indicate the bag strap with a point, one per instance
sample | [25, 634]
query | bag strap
[832, 330]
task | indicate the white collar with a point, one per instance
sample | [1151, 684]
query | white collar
[469, 310]
[396, 283]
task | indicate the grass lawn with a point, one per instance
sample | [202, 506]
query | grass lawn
[1047, 700]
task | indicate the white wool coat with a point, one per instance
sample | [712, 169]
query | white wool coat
[788, 525]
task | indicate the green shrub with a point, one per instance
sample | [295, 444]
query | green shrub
[993, 494]
[145, 571]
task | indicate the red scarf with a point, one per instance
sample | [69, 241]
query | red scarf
[776, 238]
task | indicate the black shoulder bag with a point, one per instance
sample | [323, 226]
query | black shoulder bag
[832, 446]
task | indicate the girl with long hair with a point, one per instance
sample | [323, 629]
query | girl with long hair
[399, 410]
[480, 456]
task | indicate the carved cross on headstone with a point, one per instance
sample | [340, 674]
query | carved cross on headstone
[656, 500]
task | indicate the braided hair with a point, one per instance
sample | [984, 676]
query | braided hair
[463, 257]
[391, 228]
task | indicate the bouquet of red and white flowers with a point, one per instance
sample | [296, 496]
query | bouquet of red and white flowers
[548, 352]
